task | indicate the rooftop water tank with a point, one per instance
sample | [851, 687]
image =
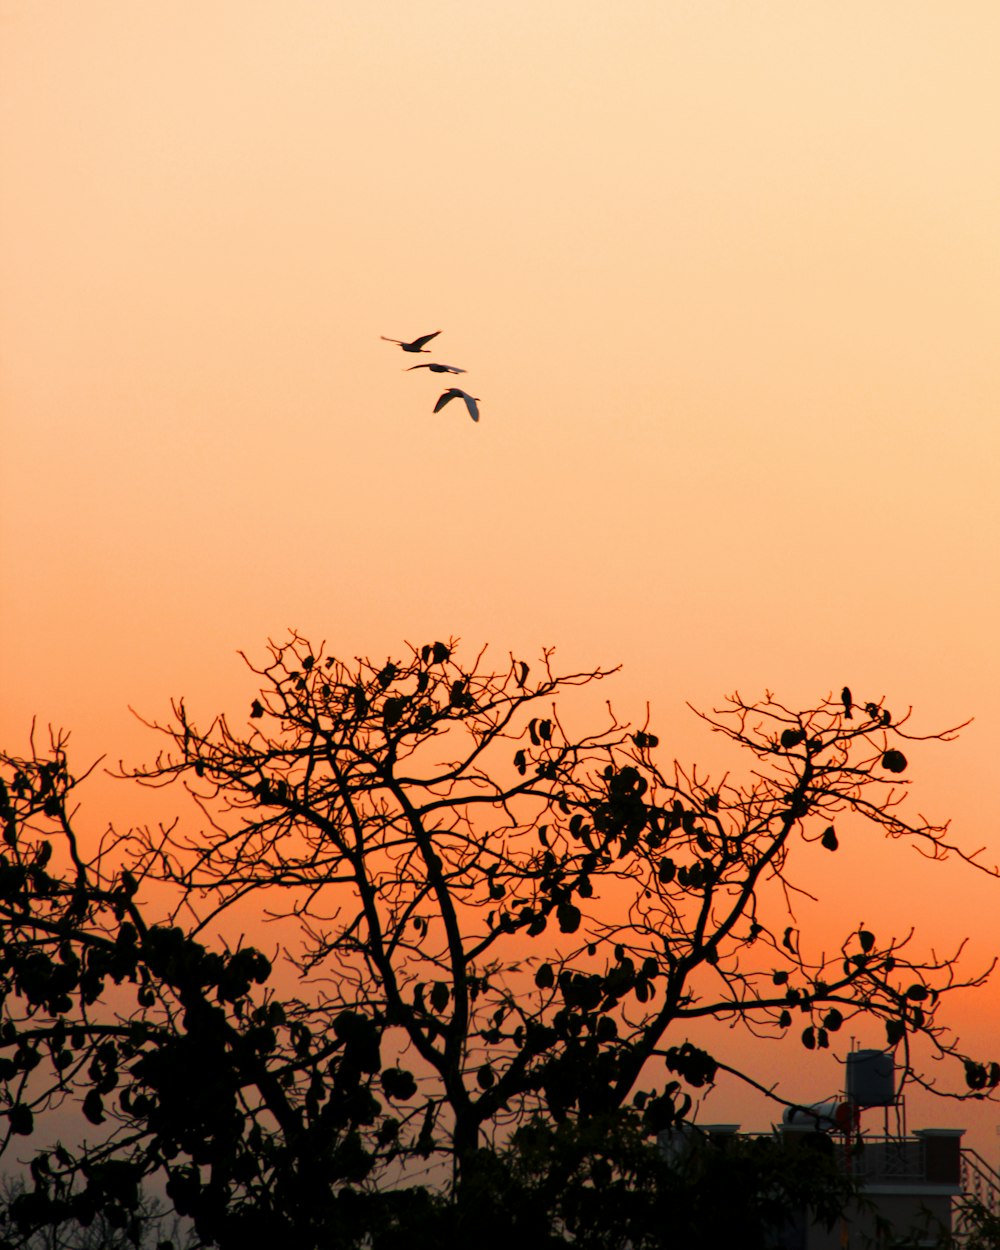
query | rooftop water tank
[871, 1078]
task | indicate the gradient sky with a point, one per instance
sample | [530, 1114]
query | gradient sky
[726, 279]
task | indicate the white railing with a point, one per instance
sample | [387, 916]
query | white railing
[980, 1181]
[980, 1197]
[896, 1160]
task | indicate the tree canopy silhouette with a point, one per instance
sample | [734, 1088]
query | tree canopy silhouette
[491, 922]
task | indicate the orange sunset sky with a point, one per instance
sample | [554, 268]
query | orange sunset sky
[725, 277]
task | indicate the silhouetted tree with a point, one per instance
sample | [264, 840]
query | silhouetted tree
[148, 1226]
[494, 921]
[601, 1183]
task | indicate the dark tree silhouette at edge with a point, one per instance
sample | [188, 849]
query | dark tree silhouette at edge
[494, 922]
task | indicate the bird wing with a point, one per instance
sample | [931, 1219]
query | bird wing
[385, 340]
[410, 368]
[471, 404]
[445, 398]
[424, 338]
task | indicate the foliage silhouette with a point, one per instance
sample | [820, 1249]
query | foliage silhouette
[151, 1224]
[497, 926]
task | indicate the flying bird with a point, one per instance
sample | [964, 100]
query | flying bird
[453, 392]
[417, 345]
[435, 368]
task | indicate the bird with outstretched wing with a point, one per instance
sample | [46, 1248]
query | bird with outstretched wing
[415, 345]
[454, 392]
